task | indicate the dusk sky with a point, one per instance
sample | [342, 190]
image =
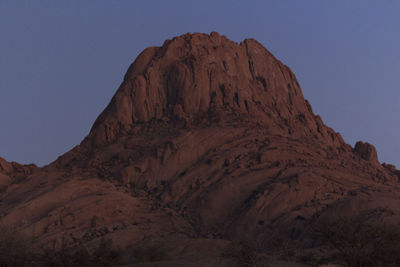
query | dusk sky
[61, 62]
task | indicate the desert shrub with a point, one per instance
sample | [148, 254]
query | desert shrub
[243, 256]
[287, 249]
[66, 257]
[15, 250]
[103, 255]
[144, 253]
[357, 241]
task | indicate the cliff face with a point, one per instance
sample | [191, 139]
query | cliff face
[205, 139]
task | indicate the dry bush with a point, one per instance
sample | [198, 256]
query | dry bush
[144, 253]
[17, 250]
[103, 255]
[244, 256]
[287, 249]
[358, 241]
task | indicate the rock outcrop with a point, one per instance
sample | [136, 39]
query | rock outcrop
[11, 171]
[206, 139]
[366, 151]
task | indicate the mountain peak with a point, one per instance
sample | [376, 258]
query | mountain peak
[206, 139]
[197, 77]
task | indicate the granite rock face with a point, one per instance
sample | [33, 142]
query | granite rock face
[198, 77]
[12, 171]
[366, 151]
[206, 140]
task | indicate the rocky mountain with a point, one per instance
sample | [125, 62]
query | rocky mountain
[205, 142]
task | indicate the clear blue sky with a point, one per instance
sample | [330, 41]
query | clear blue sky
[61, 61]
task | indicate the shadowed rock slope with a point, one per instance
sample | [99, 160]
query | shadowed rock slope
[206, 140]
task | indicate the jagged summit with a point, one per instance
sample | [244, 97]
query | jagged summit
[199, 76]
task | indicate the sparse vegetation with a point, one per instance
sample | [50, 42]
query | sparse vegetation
[356, 241]
[15, 250]
[144, 253]
[287, 250]
[19, 251]
[244, 256]
[103, 255]
[359, 241]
